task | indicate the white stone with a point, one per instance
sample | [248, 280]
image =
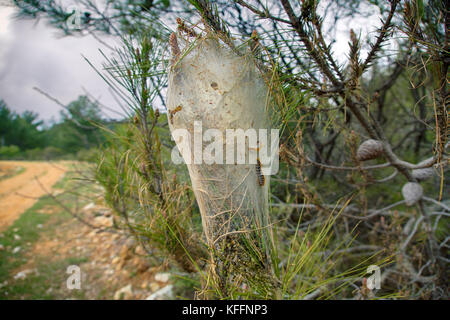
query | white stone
[162, 277]
[23, 274]
[165, 293]
[89, 206]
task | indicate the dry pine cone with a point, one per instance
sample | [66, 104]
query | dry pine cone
[369, 149]
[412, 192]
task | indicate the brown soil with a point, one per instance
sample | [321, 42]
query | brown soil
[21, 191]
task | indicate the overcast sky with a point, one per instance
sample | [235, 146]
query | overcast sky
[33, 54]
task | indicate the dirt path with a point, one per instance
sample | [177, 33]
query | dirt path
[36, 253]
[21, 191]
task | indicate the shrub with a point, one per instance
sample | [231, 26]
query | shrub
[9, 152]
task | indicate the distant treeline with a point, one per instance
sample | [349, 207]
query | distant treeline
[76, 136]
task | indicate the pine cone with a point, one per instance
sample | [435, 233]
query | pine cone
[412, 192]
[369, 149]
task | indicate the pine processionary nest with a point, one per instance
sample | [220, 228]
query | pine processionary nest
[213, 85]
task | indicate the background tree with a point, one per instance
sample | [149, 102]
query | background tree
[22, 131]
[24, 136]
[78, 128]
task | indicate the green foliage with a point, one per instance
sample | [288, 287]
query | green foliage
[8, 152]
[79, 127]
[19, 130]
[118, 17]
[76, 136]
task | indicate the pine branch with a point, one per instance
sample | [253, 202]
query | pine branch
[382, 37]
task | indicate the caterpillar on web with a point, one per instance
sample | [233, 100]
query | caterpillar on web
[261, 178]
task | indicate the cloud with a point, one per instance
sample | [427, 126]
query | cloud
[33, 54]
